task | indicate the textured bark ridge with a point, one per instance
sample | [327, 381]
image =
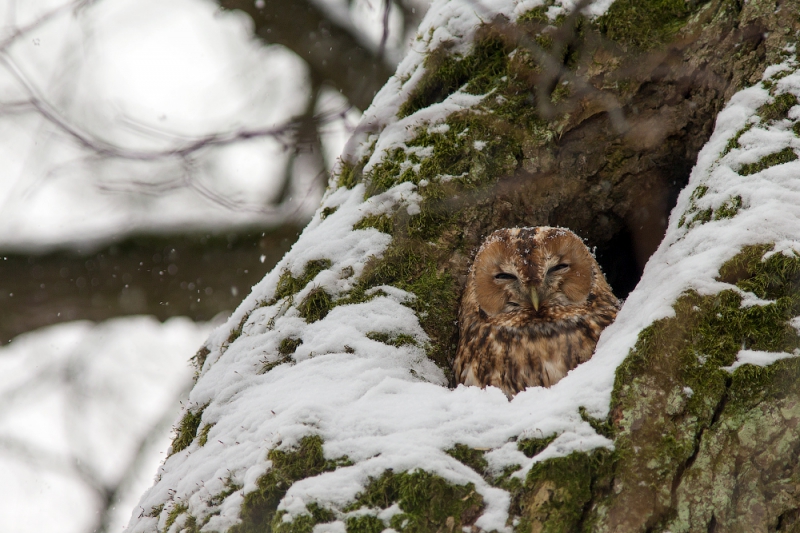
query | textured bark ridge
[698, 447]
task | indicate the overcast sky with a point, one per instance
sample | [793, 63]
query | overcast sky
[147, 75]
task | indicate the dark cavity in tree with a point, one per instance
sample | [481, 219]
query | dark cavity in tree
[618, 259]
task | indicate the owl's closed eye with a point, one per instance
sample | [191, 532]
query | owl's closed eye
[533, 308]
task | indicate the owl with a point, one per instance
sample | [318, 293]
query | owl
[533, 308]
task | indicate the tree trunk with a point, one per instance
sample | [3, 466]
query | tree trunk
[505, 118]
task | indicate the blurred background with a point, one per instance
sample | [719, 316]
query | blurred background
[157, 158]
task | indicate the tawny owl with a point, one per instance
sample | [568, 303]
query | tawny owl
[533, 309]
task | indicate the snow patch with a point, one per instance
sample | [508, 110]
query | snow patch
[758, 358]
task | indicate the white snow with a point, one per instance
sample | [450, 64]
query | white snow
[78, 399]
[387, 407]
[758, 358]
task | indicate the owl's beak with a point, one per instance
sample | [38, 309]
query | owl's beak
[535, 298]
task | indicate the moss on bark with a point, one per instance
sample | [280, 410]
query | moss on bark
[187, 429]
[259, 510]
[697, 447]
[426, 503]
[682, 425]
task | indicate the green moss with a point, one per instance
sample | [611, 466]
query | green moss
[288, 285]
[428, 502]
[189, 526]
[537, 15]
[533, 446]
[392, 339]
[328, 211]
[155, 511]
[433, 219]
[289, 345]
[658, 434]
[699, 192]
[349, 175]
[304, 523]
[316, 305]
[733, 142]
[230, 487]
[198, 360]
[365, 524]
[796, 128]
[446, 73]
[777, 109]
[560, 93]
[177, 510]
[414, 269]
[469, 456]
[694, 215]
[258, 512]
[602, 427]
[187, 429]
[454, 153]
[360, 294]
[272, 364]
[507, 119]
[786, 155]
[729, 208]
[382, 223]
[237, 331]
[645, 24]
[202, 437]
[557, 492]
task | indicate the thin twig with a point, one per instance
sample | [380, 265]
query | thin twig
[20, 31]
[387, 7]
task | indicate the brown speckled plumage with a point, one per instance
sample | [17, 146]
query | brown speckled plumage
[533, 308]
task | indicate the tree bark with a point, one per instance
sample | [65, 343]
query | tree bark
[198, 276]
[592, 124]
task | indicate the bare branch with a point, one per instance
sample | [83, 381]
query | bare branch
[20, 31]
[387, 7]
[283, 133]
[113, 492]
[334, 52]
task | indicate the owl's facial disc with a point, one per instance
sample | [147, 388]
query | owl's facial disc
[509, 284]
[531, 271]
[567, 274]
[540, 293]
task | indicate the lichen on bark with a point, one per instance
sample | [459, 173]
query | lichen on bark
[697, 446]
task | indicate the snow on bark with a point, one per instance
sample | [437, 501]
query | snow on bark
[302, 356]
[743, 192]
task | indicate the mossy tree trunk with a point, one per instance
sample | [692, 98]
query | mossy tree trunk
[608, 163]
[725, 456]
[595, 125]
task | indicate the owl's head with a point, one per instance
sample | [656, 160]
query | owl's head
[532, 270]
